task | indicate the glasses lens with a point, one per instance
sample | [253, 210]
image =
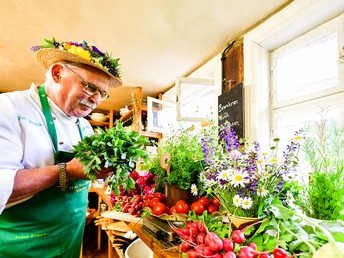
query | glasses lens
[91, 90]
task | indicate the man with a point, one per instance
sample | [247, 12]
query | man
[43, 189]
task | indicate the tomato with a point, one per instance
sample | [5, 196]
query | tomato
[211, 209]
[159, 208]
[146, 203]
[173, 209]
[205, 201]
[215, 201]
[158, 195]
[197, 207]
[182, 207]
[153, 201]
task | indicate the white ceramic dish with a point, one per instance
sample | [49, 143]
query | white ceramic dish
[99, 117]
[138, 249]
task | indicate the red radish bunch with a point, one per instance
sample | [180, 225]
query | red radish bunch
[198, 242]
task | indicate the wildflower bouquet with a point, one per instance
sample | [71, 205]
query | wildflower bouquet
[244, 178]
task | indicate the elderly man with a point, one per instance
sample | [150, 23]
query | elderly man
[43, 189]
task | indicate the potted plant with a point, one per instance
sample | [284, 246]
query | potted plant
[322, 195]
[185, 162]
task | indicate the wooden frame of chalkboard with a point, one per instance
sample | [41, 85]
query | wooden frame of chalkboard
[231, 109]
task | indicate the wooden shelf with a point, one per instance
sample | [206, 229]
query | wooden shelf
[152, 243]
[95, 123]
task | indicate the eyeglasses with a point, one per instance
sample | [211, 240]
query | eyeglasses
[90, 88]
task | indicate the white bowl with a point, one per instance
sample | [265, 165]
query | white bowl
[99, 117]
[138, 249]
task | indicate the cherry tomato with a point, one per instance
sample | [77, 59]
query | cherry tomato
[205, 201]
[173, 209]
[153, 201]
[197, 207]
[215, 201]
[211, 209]
[182, 207]
[159, 208]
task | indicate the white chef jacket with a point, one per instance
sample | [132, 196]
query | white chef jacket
[24, 139]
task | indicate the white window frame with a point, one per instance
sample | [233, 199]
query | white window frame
[293, 21]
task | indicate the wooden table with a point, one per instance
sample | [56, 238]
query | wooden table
[134, 223]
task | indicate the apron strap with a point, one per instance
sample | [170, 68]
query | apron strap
[48, 117]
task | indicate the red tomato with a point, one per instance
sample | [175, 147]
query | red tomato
[159, 208]
[158, 195]
[146, 203]
[197, 207]
[153, 201]
[182, 207]
[215, 201]
[205, 201]
[211, 209]
[173, 209]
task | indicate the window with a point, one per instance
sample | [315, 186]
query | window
[306, 78]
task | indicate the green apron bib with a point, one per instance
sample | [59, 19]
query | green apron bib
[51, 223]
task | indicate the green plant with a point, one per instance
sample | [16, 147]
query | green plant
[185, 149]
[118, 147]
[323, 197]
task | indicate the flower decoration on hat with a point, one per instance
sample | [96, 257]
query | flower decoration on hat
[82, 52]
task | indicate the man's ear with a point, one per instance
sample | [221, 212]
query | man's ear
[56, 70]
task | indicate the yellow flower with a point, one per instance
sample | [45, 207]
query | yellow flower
[80, 52]
[274, 160]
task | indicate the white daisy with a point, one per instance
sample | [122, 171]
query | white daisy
[239, 178]
[224, 175]
[246, 203]
[290, 198]
[194, 189]
[237, 200]
[262, 192]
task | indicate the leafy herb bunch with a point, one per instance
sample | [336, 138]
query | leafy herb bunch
[185, 149]
[323, 196]
[118, 147]
[244, 178]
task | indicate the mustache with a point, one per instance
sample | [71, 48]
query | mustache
[88, 103]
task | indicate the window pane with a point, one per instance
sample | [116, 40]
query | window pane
[307, 69]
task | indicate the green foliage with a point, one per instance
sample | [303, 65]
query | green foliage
[323, 197]
[295, 233]
[187, 160]
[117, 147]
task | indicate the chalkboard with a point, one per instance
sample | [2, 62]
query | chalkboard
[231, 109]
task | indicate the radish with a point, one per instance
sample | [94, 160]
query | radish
[217, 255]
[229, 254]
[253, 246]
[192, 253]
[247, 252]
[201, 227]
[238, 236]
[213, 241]
[280, 253]
[263, 255]
[227, 244]
[200, 238]
[184, 247]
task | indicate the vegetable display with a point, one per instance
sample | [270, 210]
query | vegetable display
[118, 147]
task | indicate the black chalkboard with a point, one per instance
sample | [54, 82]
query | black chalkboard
[231, 109]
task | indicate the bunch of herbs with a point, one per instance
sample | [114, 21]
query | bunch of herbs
[118, 147]
[323, 196]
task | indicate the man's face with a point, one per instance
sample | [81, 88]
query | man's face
[81, 89]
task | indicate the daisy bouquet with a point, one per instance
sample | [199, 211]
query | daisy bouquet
[243, 177]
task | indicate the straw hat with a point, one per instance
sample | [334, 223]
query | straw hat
[78, 52]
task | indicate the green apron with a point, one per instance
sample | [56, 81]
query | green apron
[51, 223]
